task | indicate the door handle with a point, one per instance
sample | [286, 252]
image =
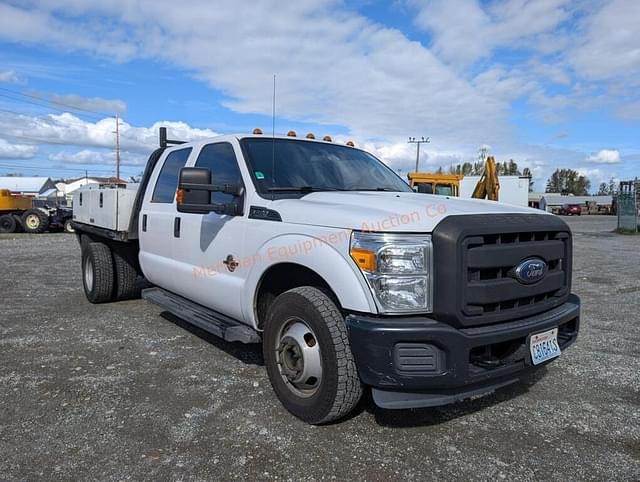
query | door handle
[176, 227]
[144, 223]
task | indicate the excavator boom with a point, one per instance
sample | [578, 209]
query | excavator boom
[488, 186]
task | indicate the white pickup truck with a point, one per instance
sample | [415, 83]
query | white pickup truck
[348, 278]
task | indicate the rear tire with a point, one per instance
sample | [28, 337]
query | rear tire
[308, 356]
[97, 273]
[126, 275]
[35, 221]
[7, 224]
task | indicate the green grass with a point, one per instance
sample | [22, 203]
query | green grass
[627, 231]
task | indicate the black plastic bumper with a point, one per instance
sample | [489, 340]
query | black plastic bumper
[420, 362]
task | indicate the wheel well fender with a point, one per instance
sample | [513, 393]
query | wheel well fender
[323, 266]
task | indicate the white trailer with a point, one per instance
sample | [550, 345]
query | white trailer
[513, 189]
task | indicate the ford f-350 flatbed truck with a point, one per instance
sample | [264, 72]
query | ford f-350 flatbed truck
[347, 277]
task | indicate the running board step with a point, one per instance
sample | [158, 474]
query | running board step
[210, 321]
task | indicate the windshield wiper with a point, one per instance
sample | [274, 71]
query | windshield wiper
[386, 189]
[302, 189]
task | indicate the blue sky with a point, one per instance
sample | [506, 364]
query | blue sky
[549, 83]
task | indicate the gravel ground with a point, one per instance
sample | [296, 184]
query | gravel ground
[118, 391]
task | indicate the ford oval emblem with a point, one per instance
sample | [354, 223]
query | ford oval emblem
[530, 271]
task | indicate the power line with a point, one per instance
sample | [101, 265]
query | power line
[56, 102]
[40, 168]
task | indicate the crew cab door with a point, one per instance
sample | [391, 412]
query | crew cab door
[156, 224]
[207, 241]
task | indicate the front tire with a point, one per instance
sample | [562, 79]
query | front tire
[308, 356]
[97, 273]
[68, 228]
[35, 221]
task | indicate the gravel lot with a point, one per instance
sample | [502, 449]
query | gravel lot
[118, 391]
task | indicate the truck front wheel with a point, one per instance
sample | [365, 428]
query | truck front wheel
[97, 272]
[308, 356]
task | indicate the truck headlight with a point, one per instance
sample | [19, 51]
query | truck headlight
[398, 269]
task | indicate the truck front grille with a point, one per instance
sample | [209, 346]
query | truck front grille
[479, 286]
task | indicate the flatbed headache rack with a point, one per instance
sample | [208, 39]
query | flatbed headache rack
[164, 142]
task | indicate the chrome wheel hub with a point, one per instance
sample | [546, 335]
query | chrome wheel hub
[298, 356]
[88, 274]
[32, 221]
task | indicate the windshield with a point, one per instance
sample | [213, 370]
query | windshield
[296, 166]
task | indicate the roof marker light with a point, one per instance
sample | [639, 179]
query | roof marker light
[291, 134]
[310, 136]
[351, 144]
[327, 138]
[257, 131]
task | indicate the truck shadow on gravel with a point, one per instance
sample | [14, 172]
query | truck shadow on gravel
[425, 417]
[251, 354]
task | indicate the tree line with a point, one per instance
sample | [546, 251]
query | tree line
[563, 181]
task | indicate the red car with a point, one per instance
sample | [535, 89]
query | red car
[571, 210]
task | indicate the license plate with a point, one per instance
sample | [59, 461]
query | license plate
[544, 346]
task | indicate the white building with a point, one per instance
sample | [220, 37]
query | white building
[27, 186]
[553, 202]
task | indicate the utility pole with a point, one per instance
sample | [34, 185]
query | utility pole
[483, 152]
[422, 140]
[117, 133]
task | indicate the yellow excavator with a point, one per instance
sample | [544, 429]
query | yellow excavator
[488, 186]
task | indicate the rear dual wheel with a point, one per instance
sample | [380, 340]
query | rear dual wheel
[7, 224]
[108, 274]
[308, 356]
[97, 272]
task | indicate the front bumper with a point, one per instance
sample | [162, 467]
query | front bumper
[419, 362]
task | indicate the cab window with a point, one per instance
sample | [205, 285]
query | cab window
[220, 159]
[444, 190]
[167, 183]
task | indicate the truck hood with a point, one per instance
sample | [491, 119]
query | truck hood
[384, 211]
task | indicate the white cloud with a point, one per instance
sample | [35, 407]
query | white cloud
[611, 45]
[629, 111]
[11, 77]
[86, 156]
[67, 129]
[16, 151]
[465, 32]
[89, 156]
[407, 87]
[109, 106]
[605, 156]
[596, 176]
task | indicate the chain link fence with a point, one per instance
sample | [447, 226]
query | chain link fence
[629, 206]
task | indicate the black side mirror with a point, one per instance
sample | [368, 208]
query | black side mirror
[425, 188]
[194, 193]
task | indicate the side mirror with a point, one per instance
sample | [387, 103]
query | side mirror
[194, 193]
[425, 188]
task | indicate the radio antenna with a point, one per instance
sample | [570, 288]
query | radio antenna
[273, 138]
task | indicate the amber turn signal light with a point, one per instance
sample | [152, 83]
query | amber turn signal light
[364, 258]
[180, 196]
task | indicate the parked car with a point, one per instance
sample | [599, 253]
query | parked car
[570, 210]
[349, 279]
